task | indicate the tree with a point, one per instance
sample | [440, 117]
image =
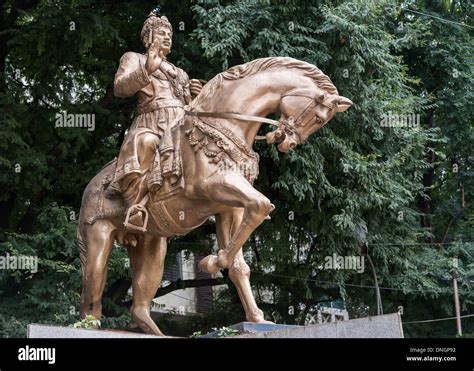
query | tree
[354, 174]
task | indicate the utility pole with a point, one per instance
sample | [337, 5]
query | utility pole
[364, 252]
[456, 298]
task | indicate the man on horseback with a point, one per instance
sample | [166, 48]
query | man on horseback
[149, 155]
[223, 124]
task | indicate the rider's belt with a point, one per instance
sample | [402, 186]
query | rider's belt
[157, 104]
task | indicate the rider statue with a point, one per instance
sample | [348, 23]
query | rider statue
[149, 155]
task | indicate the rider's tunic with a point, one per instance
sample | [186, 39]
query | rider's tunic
[161, 98]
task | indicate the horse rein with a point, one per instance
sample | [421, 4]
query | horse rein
[237, 116]
[283, 126]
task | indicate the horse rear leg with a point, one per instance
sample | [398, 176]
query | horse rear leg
[98, 239]
[147, 260]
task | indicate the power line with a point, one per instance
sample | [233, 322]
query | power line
[352, 285]
[209, 243]
[391, 288]
[416, 243]
[188, 299]
[347, 284]
[404, 323]
[182, 297]
[438, 319]
[438, 18]
[439, 291]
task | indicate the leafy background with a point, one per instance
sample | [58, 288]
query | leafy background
[412, 188]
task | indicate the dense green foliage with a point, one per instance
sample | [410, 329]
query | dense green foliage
[412, 188]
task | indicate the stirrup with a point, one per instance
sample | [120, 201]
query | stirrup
[141, 210]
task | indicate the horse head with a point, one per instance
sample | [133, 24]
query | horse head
[304, 110]
[303, 95]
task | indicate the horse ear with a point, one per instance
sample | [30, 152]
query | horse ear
[343, 104]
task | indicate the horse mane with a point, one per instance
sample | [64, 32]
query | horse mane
[264, 64]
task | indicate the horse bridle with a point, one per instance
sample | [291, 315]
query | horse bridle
[284, 127]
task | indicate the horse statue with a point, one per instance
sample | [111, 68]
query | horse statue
[218, 171]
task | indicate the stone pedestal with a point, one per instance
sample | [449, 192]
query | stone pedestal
[386, 326]
[38, 331]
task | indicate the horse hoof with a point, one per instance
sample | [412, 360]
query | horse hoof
[209, 264]
[259, 319]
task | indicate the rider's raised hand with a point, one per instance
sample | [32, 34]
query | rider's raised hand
[154, 57]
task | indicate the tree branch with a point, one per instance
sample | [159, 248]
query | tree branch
[17, 6]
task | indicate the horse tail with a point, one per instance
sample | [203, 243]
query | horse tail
[81, 244]
[80, 241]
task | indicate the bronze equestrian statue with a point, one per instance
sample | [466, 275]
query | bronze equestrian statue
[188, 156]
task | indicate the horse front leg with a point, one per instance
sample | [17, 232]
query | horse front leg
[239, 271]
[234, 190]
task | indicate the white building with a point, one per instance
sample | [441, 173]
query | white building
[190, 300]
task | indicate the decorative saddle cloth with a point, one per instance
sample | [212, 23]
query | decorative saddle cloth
[224, 148]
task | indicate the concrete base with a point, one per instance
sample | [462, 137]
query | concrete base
[386, 326]
[38, 331]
